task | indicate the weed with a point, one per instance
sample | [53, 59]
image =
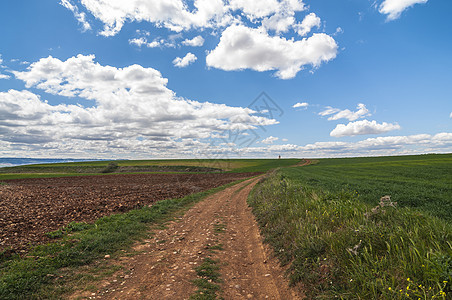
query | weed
[219, 227]
[207, 282]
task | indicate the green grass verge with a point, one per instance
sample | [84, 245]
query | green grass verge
[340, 246]
[38, 274]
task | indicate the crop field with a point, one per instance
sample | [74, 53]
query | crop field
[423, 182]
[330, 223]
[143, 166]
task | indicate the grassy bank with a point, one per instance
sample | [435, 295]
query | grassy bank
[338, 245]
[48, 271]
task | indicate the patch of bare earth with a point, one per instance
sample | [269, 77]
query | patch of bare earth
[32, 207]
[164, 267]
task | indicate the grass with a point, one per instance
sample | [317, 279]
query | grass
[47, 271]
[337, 243]
[422, 181]
[207, 281]
[143, 166]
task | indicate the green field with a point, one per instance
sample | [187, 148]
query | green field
[326, 223]
[423, 181]
[144, 166]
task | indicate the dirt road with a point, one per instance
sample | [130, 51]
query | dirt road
[164, 269]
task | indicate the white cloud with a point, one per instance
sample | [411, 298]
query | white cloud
[175, 15]
[339, 30]
[3, 76]
[142, 41]
[80, 16]
[259, 9]
[133, 112]
[197, 41]
[337, 114]
[362, 127]
[390, 145]
[280, 53]
[185, 61]
[394, 8]
[309, 22]
[241, 48]
[269, 140]
[328, 111]
[278, 22]
[138, 41]
[301, 104]
[171, 14]
[450, 116]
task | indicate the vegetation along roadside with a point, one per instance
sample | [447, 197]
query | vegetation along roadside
[342, 238]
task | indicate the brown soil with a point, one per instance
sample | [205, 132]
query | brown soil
[32, 207]
[164, 267]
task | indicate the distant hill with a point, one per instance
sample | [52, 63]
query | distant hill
[11, 161]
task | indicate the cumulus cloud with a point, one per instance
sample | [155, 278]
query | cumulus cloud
[450, 116]
[171, 14]
[301, 104]
[278, 22]
[337, 114]
[80, 16]
[185, 61]
[269, 140]
[253, 22]
[176, 15]
[132, 111]
[362, 127]
[197, 41]
[142, 41]
[264, 8]
[394, 8]
[241, 48]
[309, 22]
[389, 145]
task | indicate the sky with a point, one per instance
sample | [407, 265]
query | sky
[139, 79]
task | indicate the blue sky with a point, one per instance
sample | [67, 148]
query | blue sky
[177, 78]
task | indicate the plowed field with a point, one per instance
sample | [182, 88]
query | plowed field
[31, 207]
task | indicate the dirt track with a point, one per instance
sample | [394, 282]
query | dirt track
[32, 207]
[165, 267]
